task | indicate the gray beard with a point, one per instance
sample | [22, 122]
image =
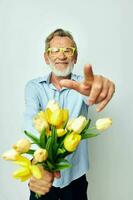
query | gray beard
[63, 73]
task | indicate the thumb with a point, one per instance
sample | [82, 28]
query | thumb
[70, 84]
[57, 174]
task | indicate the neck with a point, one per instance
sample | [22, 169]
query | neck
[56, 80]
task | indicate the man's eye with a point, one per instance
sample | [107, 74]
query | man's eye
[55, 50]
[67, 50]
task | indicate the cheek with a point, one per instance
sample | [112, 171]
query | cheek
[71, 61]
[52, 60]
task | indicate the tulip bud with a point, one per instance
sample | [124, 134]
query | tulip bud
[78, 124]
[11, 155]
[53, 105]
[71, 141]
[54, 118]
[61, 132]
[40, 114]
[40, 123]
[22, 146]
[40, 155]
[104, 123]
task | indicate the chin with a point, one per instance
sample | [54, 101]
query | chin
[62, 73]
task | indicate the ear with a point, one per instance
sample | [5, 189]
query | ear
[46, 58]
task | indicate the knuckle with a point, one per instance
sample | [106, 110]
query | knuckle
[99, 77]
[51, 177]
[108, 98]
[98, 87]
[49, 185]
[47, 190]
[92, 99]
[30, 184]
[103, 95]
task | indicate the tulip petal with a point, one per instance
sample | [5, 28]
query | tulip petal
[25, 178]
[61, 132]
[65, 114]
[22, 161]
[36, 171]
[21, 172]
[11, 155]
[48, 114]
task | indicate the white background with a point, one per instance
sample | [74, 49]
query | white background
[103, 32]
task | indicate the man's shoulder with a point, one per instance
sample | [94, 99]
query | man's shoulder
[38, 80]
[35, 83]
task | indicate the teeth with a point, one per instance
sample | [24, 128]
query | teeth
[61, 63]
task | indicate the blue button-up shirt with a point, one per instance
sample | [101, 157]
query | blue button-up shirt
[37, 94]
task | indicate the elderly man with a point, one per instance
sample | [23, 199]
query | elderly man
[75, 93]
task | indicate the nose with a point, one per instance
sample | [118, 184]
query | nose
[61, 55]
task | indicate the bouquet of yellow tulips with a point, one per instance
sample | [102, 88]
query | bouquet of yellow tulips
[58, 137]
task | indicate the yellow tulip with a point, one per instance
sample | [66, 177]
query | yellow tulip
[11, 155]
[54, 118]
[40, 155]
[77, 125]
[61, 132]
[65, 115]
[103, 124]
[71, 141]
[53, 105]
[40, 121]
[40, 114]
[69, 123]
[27, 170]
[22, 173]
[22, 146]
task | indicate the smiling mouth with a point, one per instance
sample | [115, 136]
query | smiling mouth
[61, 63]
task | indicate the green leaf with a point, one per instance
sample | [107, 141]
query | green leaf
[54, 143]
[30, 152]
[86, 126]
[49, 149]
[61, 139]
[54, 134]
[43, 138]
[61, 166]
[64, 125]
[32, 137]
[50, 165]
[62, 160]
[89, 135]
[37, 195]
[61, 151]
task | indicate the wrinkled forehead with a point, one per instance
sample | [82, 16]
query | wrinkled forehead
[59, 41]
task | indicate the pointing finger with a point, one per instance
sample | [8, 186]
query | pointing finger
[88, 73]
[95, 90]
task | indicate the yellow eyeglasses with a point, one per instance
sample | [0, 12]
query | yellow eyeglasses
[67, 51]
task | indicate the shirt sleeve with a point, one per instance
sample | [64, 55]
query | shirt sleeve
[32, 106]
[85, 98]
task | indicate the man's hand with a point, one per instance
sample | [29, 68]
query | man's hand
[99, 89]
[43, 185]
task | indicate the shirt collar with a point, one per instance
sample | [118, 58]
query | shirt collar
[46, 78]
